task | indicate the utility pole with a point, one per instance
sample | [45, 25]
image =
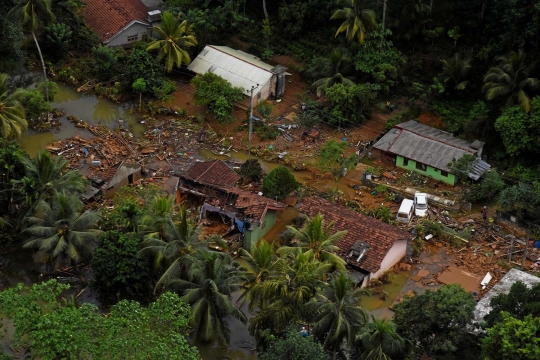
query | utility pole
[251, 119]
[525, 253]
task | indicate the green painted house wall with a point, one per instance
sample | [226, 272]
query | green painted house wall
[430, 171]
[251, 237]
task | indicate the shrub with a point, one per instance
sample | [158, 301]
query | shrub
[217, 94]
[267, 132]
[104, 62]
[251, 171]
[279, 183]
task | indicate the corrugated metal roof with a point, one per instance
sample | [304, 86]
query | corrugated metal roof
[237, 67]
[430, 146]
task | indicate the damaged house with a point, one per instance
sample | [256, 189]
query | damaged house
[428, 151]
[113, 178]
[212, 185]
[370, 246]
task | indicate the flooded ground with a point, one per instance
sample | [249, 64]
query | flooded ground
[89, 108]
[19, 266]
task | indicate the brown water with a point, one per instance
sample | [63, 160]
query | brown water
[91, 109]
[379, 307]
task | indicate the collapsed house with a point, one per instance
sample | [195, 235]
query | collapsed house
[370, 247]
[211, 185]
[108, 182]
[428, 151]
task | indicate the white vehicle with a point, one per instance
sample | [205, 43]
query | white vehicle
[405, 211]
[420, 204]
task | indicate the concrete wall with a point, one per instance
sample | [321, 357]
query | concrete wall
[431, 172]
[109, 194]
[121, 39]
[251, 237]
[396, 253]
[265, 92]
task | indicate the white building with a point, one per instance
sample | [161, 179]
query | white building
[120, 22]
[242, 70]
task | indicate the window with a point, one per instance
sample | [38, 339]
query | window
[420, 166]
[133, 38]
[405, 162]
[444, 173]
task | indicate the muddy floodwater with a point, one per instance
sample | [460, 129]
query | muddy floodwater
[18, 265]
[89, 108]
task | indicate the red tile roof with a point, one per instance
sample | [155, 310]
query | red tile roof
[108, 17]
[243, 202]
[214, 172]
[378, 235]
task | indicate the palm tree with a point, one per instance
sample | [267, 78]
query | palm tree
[455, 69]
[358, 20]
[316, 239]
[380, 340]
[172, 246]
[510, 79]
[171, 41]
[33, 15]
[337, 313]
[210, 282]
[335, 70]
[12, 113]
[46, 176]
[296, 282]
[63, 232]
[262, 265]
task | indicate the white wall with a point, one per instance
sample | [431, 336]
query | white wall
[264, 91]
[396, 253]
[121, 38]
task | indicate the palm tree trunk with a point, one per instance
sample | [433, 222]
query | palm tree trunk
[384, 14]
[430, 5]
[264, 9]
[44, 72]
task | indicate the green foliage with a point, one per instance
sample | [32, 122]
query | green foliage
[54, 331]
[266, 132]
[35, 104]
[53, 89]
[265, 108]
[294, 347]
[12, 112]
[308, 119]
[279, 183]
[513, 339]
[164, 93]
[11, 56]
[520, 302]
[58, 36]
[435, 322]
[380, 340]
[141, 64]
[519, 130]
[217, 94]
[103, 62]
[139, 85]
[460, 117]
[382, 213]
[379, 60]
[358, 21]
[172, 38]
[393, 121]
[348, 103]
[251, 171]
[463, 166]
[522, 198]
[488, 189]
[119, 272]
[331, 156]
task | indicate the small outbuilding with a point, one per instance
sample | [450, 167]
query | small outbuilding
[114, 177]
[428, 151]
[242, 70]
[370, 246]
[483, 307]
